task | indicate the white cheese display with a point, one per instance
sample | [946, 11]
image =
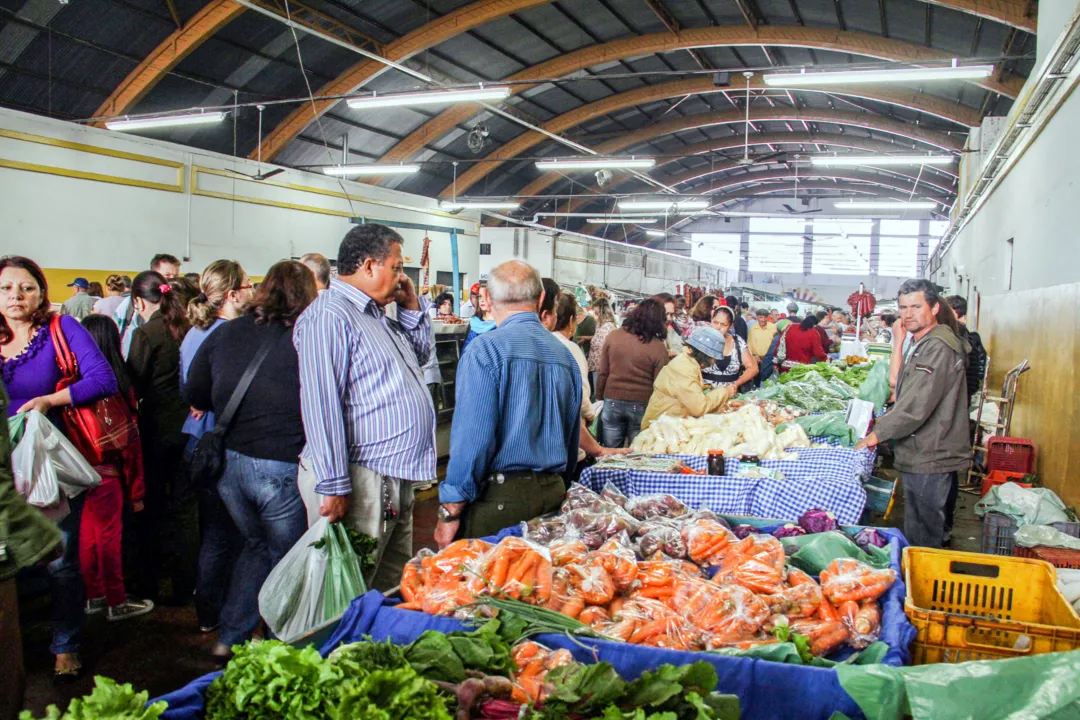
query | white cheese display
[740, 433]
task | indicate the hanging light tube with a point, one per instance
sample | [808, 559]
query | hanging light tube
[434, 97]
[596, 164]
[886, 205]
[145, 123]
[479, 205]
[663, 204]
[620, 221]
[350, 170]
[880, 160]
[954, 72]
[656, 233]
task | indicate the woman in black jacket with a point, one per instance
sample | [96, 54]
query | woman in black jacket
[170, 516]
[264, 438]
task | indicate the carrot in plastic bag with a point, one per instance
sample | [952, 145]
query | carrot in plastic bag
[824, 635]
[592, 582]
[848, 579]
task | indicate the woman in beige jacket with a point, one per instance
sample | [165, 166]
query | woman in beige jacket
[680, 390]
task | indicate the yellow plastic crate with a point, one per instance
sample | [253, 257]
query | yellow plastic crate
[970, 606]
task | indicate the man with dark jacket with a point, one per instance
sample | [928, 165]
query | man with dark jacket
[928, 424]
[976, 359]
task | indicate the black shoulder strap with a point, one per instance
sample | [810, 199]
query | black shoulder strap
[221, 424]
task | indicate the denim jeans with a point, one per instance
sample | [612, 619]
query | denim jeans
[68, 594]
[264, 501]
[621, 422]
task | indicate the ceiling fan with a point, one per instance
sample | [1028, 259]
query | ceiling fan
[260, 175]
[791, 210]
[746, 159]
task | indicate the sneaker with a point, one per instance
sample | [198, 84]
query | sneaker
[422, 486]
[96, 606]
[129, 608]
[209, 628]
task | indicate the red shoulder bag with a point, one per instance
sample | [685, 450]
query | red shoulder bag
[100, 430]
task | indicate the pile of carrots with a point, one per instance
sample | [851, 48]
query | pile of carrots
[533, 663]
[660, 601]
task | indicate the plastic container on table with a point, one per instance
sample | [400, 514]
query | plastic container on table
[999, 533]
[1000, 477]
[967, 606]
[1010, 453]
[1058, 557]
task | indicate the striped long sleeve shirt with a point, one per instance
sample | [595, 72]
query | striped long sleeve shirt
[362, 390]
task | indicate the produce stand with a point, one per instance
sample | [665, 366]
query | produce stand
[827, 478]
[765, 688]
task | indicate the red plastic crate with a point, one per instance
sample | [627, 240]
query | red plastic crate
[1012, 454]
[1000, 477]
[1058, 557]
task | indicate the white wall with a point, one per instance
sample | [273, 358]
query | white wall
[63, 220]
[579, 260]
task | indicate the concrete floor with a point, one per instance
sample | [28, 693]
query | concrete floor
[165, 650]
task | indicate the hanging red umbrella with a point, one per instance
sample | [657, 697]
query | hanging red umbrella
[862, 303]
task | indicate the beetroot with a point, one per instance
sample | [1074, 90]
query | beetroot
[818, 521]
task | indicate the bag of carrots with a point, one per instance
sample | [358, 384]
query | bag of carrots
[518, 569]
[440, 583]
[863, 621]
[824, 635]
[616, 556]
[707, 541]
[649, 622]
[756, 562]
[533, 662]
[847, 579]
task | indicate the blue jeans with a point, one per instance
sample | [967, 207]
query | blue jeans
[68, 593]
[621, 422]
[264, 501]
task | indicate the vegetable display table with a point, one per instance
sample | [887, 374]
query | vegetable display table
[827, 478]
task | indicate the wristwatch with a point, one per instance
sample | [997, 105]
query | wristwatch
[446, 517]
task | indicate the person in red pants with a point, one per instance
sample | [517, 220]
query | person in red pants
[102, 520]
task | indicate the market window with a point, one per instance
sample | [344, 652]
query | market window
[841, 247]
[720, 249]
[898, 256]
[938, 228]
[776, 245]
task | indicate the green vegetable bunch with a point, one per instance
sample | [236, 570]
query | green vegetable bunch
[108, 701]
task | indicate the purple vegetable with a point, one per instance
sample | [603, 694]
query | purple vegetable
[788, 530]
[818, 521]
[742, 531]
[870, 536]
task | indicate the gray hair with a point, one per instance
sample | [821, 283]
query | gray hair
[927, 288]
[793, 308]
[320, 266]
[515, 283]
[761, 311]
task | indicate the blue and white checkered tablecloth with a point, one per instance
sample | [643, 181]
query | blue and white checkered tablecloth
[826, 478]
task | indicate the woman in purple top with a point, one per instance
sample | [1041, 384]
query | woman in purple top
[30, 373]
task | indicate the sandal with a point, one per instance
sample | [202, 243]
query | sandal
[69, 674]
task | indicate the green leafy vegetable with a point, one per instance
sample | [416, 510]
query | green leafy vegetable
[362, 544]
[398, 694]
[360, 657]
[108, 701]
[448, 656]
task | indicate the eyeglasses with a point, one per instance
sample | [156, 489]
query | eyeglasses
[246, 287]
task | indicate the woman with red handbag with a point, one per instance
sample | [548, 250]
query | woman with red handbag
[32, 374]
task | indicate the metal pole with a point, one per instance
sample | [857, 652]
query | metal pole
[454, 266]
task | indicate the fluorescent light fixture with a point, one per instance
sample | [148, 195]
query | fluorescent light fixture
[146, 123]
[881, 160]
[656, 233]
[350, 170]
[886, 205]
[621, 221]
[479, 205]
[596, 164]
[435, 97]
[955, 72]
[663, 204]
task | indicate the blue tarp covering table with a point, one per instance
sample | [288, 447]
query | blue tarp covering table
[827, 478]
[767, 690]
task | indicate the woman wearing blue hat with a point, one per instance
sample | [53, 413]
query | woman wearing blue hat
[680, 390]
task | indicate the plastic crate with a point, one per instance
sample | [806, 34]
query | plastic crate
[1058, 557]
[1000, 477]
[999, 533]
[1010, 453]
[967, 606]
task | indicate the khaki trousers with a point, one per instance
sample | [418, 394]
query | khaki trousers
[371, 492]
[519, 496]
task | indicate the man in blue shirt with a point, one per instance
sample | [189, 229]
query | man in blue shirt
[516, 423]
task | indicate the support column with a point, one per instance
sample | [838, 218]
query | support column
[808, 248]
[875, 254]
[924, 248]
[744, 252]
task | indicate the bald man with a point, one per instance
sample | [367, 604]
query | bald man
[321, 267]
[517, 420]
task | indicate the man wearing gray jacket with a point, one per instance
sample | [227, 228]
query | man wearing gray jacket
[928, 424]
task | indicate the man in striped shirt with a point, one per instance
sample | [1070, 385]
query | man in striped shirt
[368, 417]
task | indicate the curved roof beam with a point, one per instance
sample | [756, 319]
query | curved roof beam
[167, 55]
[527, 140]
[447, 120]
[470, 16]
[1007, 12]
[697, 174]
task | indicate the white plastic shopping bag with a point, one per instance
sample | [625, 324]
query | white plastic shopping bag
[45, 464]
